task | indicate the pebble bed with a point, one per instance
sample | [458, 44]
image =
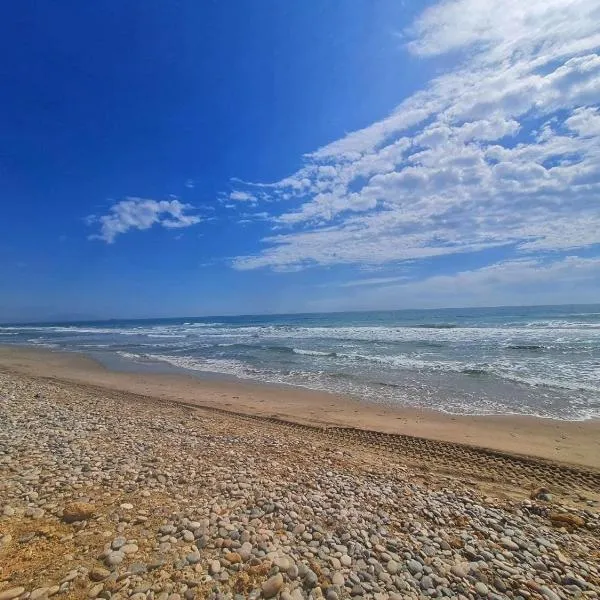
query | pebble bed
[108, 495]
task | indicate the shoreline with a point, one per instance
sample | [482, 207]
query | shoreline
[113, 494]
[569, 442]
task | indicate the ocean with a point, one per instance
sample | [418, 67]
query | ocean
[542, 361]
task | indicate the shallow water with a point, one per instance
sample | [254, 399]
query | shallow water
[541, 361]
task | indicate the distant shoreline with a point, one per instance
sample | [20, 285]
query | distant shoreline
[572, 442]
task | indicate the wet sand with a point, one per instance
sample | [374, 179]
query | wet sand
[576, 443]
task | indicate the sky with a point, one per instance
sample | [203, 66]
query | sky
[196, 158]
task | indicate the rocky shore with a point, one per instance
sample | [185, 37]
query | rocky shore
[113, 495]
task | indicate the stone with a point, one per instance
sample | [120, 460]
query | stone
[562, 519]
[310, 580]
[193, 558]
[233, 557]
[271, 587]
[548, 593]
[414, 566]
[541, 494]
[392, 567]
[214, 567]
[129, 549]
[118, 543]
[114, 558]
[246, 551]
[481, 588]
[345, 560]
[338, 579]
[188, 536]
[78, 511]
[12, 593]
[282, 563]
[461, 570]
[127, 506]
[95, 590]
[39, 593]
[137, 568]
[99, 574]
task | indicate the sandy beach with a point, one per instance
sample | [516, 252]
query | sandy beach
[574, 442]
[151, 486]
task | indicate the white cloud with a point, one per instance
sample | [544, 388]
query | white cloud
[457, 167]
[139, 213]
[585, 121]
[240, 196]
[524, 281]
[373, 281]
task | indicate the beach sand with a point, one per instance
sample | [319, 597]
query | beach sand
[572, 442]
[156, 487]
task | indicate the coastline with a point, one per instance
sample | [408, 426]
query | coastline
[111, 493]
[569, 442]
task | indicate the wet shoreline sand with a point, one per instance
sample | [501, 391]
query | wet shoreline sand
[571, 442]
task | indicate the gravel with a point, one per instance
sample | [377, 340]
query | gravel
[109, 496]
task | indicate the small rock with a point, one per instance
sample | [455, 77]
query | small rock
[481, 588]
[215, 567]
[99, 574]
[541, 494]
[392, 567]
[233, 557]
[95, 590]
[78, 511]
[272, 586]
[548, 593]
[118, 543]
[114, 558]
[12, 593]
[129, 549]
[414, 567]
[561, 519]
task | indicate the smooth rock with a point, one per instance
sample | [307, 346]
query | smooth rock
[272, 586]
[78, 511]
[11, 593]
[99, 574]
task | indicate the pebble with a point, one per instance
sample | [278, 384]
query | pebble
[11, 593]
[99, 574]
[114, 558]
[481, 588]
[272, 586]
[548, 593]
[414, 567]
[203, 501]
[95, 590]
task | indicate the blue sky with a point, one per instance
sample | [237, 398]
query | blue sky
[190, 158]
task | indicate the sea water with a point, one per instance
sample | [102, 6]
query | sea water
[542, 360]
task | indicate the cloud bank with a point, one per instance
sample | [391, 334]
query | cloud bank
[502, 150]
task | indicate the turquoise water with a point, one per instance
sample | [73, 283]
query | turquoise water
[541, 361]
